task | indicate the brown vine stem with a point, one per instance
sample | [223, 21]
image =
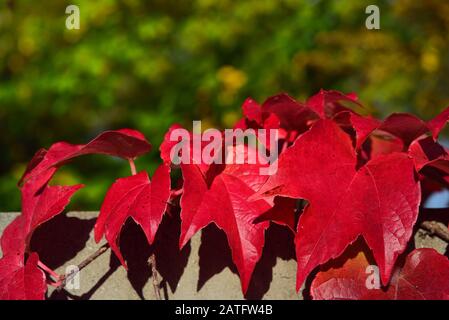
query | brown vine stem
[152, 263]
[437, 229]
[64, 278]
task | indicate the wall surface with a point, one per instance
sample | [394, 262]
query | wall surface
[196, 272]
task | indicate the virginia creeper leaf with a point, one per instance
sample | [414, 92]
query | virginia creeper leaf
[424, 276]
[327, 103]
[19, 281]
[373, 201]
[124, 143]
[437, 124]
[226, 204]
[136, 197]
[37, 207]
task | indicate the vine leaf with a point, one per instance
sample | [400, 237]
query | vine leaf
[373, 201]
[424, 276]
[37, 207]
[137, 197]
[223, 200]
[124, 143]
[437, 124]
[19, 281]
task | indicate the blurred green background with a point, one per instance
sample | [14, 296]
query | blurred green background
[148, 64]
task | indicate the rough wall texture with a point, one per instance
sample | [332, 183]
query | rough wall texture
[197, 272]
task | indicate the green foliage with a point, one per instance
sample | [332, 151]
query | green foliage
[147, 64]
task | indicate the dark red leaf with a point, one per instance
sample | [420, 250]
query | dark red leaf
[37, 208]
[425, 276]
[283, 213]
[404, 126]
[226, 204]
[374, 201]
[327, 103]
[138, 198]
[291, 114]
[427, 152]
[125, 143]
[437, 124]
[252, 111]
[19, 281]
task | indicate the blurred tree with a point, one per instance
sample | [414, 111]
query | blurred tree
[148, 64]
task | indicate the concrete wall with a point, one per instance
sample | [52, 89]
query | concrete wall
[197, 272]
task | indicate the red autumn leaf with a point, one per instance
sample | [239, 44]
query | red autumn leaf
[404, 126]
[373, 201]
[226, 204]
[194, 190]
[427, 152]
[37, 207]
[431, 161]
[167, 144]
[167, 148]
[283, 213]
[327, 103]
[138, 198]
[436, 124]
[39, 204]
[384, 144]
[124, 143]
[291, 114]
[363, 127]
[252, 111]
[424, 276]
[280, 112]
[19, 281]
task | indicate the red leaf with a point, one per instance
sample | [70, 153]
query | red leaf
[37, 208]
[226, 204]
[125, 143]
[425, 276]
[363, 127]
[168, 144]
[436, 124]
[39, 204]
[194, 191]
[374, 201]
[19, 281]
[326, 103]
[382, 145]
[252, 111]
[427, 152]
[404, 126]
[283, 213]
[291, 114]
[138, 198]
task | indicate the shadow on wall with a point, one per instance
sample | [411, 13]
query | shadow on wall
[60, 239]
